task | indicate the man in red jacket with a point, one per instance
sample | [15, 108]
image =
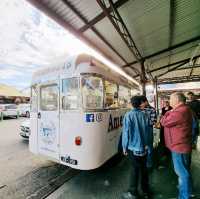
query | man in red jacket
[178, 137]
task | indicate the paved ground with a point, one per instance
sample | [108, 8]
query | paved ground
[23, 175]
[110, 183]
[15, 158]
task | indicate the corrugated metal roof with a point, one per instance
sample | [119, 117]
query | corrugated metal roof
[103, 26]
[177, 56]
[149, 24]
[179, 73]
[88, 8]
[64, 12]
[187, 19]
[138, 22]
[94, 38]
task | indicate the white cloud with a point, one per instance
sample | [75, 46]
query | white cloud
[9, 73]
[28, 38]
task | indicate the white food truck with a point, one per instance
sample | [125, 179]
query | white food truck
[77, 110]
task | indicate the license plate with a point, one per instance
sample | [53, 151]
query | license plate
[68, 160]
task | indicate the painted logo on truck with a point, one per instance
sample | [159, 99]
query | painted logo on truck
[48, 133]
[115, 122]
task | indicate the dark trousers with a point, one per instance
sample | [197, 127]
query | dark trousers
[139, 169]
[163, 150]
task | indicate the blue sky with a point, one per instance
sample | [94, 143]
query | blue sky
[29, 40]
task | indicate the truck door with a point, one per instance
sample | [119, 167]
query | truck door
[48, 120]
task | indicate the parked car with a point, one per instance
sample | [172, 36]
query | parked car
[24, 110]
[9, 110]
[25, 128]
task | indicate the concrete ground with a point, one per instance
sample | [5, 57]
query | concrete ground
[22, 174]
[15, 158]
[110, 183]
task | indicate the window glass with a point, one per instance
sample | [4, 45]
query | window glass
[11, 106]
[92, 91]
[135, 92]
[49, 98]
[34, 99]
[71, 93]
[124, 96]
[111, 95]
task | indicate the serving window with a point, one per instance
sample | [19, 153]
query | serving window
[92, 92]
[111, 95]
[49, 97]
[70, 93]
[124, 96]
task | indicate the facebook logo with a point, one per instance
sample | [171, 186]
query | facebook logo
[90, 117]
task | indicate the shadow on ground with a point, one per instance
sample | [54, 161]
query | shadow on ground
[109, 182]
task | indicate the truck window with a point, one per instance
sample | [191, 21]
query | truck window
[92, 92]
[111, 95]
[49, 98]
[124, 96]
[70, 93]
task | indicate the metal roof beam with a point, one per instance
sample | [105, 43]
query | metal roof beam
[185, 68]
[172, 64]
[101, 16]
[166, 50]
[180, 80]
[192, 68]
[69, 4]
[120, 27]
[171, 69]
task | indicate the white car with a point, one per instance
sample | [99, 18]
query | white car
[24, 110]
[8, 110]
[25, 128]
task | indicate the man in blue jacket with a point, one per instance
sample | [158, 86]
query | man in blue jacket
[151, 114]
[134, 142]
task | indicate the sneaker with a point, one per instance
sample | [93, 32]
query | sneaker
[129, 195]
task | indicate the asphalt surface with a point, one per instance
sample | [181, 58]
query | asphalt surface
[22, 174]
[112, 182]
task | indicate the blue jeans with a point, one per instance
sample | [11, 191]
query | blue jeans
[182, 164]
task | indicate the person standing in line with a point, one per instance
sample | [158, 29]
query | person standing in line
[166, 107]
[194, 104]
[178, 137]
[134, 143]
[162, 145]
[152, 116]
